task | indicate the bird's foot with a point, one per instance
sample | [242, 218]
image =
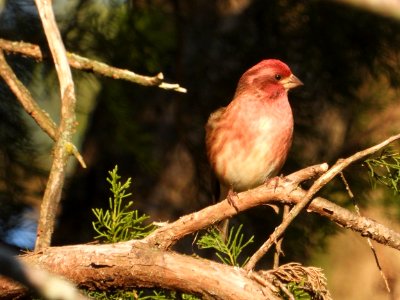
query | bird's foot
[275, 181]
[230, 197]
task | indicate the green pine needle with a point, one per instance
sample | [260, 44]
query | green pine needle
[119, 222]
[228, 252]
[385, 169]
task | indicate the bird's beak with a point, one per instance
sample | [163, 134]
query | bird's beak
[291, 82]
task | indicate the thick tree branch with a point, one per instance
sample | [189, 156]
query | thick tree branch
[135, 264]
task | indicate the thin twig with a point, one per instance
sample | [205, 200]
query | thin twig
[371, 246]
[85, 64]
[348, 189]
[286, 291]
[278, 246]
[263, 281]
[318, 184]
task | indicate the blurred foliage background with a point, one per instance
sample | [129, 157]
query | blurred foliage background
[347, 58]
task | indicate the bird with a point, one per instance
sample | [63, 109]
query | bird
[247, 141]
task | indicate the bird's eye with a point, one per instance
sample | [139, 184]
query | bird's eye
[278, 77]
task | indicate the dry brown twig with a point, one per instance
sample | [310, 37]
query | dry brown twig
[371, 246]
[85, 64]
[278, 245]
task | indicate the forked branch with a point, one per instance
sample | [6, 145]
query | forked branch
[336, 169]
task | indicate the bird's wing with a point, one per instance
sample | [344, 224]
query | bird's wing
[214, 119]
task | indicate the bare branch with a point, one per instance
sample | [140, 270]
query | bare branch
[337, 168]
[85, 64]
[26, 99]
[135, 264]
[41, 117]
[287, 193]
[371, 246]
[278, 245]
[66, 128]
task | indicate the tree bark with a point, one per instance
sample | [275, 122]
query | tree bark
[135, 264]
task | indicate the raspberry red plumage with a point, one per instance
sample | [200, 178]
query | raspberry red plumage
[248, 141]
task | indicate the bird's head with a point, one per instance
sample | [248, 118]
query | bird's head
[271, 76]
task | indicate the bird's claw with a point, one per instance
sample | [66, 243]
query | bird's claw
[276, 180]
[230, 198]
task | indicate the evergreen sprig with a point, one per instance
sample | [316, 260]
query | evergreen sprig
[385, 169]
[297, 290]
[119, 222]
[227, 251]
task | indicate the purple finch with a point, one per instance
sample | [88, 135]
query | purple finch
[248, 140]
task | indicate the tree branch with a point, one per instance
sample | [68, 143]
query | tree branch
[30, 106]
[52, 194]
[86, 64]
[141, 264]
[337, 168]
[135, 264]
[63, 135]
[287, 192]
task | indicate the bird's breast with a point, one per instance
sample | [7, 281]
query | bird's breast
[254, 146]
